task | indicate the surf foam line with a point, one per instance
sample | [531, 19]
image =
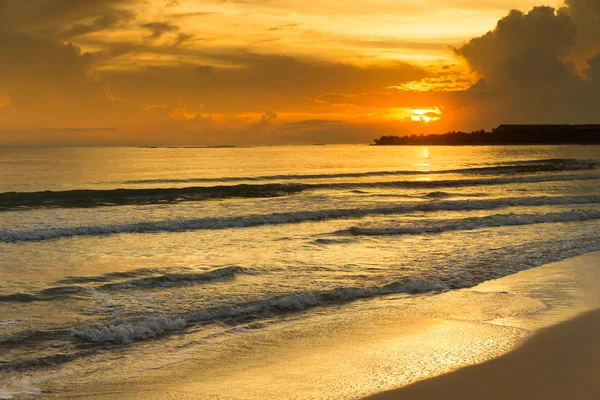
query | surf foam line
[548, 165]
[491, 221]
[126, 332]
[96, 198]
[10, 236]
[148, 282]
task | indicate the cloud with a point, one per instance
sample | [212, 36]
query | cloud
[159, 28]
[524, 49]
[283, 26]
[62, 18]
[181, 114]
[234, 82]
[95, 63]
[264, 122]
[311, 124]
[527, 68]
[594, 68]
[586, 15]
[182, 37]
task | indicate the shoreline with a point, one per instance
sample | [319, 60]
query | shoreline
[365, 352]
[559, 362]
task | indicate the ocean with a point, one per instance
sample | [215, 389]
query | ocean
[116, 261]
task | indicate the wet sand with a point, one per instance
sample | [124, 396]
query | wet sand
[560, 362]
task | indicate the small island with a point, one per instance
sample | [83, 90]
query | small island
[503, 135]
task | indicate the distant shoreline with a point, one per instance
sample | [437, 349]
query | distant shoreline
[504, 135]
[489, 144]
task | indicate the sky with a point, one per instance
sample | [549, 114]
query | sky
[214, 72]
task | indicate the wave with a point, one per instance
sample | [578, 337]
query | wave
[530, 166]
[126, 332]
[106, 334]
[164, 280]
[181, 278]
[182, 225]
[111, 276]
[96, 198]
[19, 298]
[43, 361]
[49, 294]
[491, 221]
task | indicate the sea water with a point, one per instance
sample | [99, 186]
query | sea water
[114, 261]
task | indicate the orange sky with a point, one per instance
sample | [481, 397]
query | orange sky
[289, 71]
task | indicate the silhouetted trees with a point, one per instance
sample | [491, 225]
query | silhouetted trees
[504, 134]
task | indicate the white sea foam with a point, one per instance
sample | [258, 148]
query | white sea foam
[129, 332]
[125, 332]
[10, 392]
[289, 217]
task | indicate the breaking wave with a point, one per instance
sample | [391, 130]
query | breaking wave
[94, 198]
[289, 217]
[164, 280]
[126, 332]
[178, 278]
[491, 221]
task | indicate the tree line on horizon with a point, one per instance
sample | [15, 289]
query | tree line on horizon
[567, 134]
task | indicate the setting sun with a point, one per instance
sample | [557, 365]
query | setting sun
[425, 115]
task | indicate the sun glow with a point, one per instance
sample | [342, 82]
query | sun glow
[424, 114]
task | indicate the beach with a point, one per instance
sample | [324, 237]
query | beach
[560, 362]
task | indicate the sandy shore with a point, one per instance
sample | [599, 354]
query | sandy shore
[560, 362]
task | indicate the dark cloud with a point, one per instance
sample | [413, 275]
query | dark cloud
[594, 69]
[254, 79]
[284, 26]
[159, 28]
[36, 57]
[205, 69]
[48, 80]
[586, 15]
[524, 49]
[526, 69]
[193, 14]
[108, 20]
[182, 37]
[63, 17]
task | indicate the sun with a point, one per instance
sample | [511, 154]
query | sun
[426, 115]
